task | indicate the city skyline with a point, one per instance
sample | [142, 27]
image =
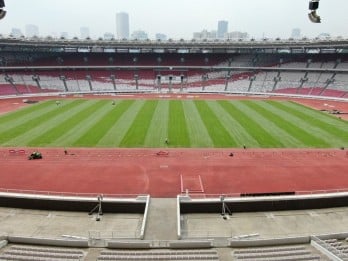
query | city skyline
[179, 19]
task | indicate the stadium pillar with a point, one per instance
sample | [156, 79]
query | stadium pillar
[136, 78]
[328, 82]
[36, 79]
[63, 79]
[170, 82]
[10, 80]
[276, 80]
[204, 78]
[89, 78]
[158, 82]
[302, 80]
[251, 79]
[113, 80]
[228, 77]
[182, 82]
[338, 61]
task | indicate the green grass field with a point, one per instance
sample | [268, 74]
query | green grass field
[147, 123]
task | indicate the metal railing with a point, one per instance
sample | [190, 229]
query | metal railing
[66, 194]
[237, 195]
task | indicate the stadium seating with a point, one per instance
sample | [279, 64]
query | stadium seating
[202, 255]
[83, 80]
[29, 253]
[276, 253]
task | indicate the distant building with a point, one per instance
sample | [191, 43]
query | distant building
[16, 32]
[31, 30]
[324, 36]
[236, 35]
[109, 36]
[64, 35]
[122, 25]
[222, 29]
[296, 33]
[161, 37]
[205, 34]
[84, 32]
[140, 35]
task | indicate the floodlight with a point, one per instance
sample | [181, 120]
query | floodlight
[2, 11]
[313, 5]
[313, 16]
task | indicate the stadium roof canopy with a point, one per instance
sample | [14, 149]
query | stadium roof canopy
[182, 46]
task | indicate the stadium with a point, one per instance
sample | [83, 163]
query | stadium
[173, 150]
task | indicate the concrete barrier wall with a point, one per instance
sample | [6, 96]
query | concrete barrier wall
[270, 242]
[129, 244]
[188, 244]
[256, 204]
[62, 204]
[340, 236]
[48, 241]
[3, 243]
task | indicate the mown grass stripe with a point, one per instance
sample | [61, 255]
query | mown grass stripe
[117, 132]
[71, 135]
[101, 125]
[328, 123]
[10, 117]
[158, 129]
[198, 134]
[186, 124]
[56, 130]
[239, 133]
[135, 136]
[314, 130]
[282, 121]
[268, 134]
[330, 119]
[26, 115]
[177, 127]
[223, 118]
[12, 136]
[219, 135]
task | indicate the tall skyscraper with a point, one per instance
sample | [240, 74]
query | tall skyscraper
[222, 29]
[84, 32]
[31, 30]
[122, 25]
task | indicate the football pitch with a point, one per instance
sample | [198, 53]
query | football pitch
[185, 123]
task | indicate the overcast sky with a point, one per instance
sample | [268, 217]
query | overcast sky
[176, 18]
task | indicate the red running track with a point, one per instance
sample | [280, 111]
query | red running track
[200, 171]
